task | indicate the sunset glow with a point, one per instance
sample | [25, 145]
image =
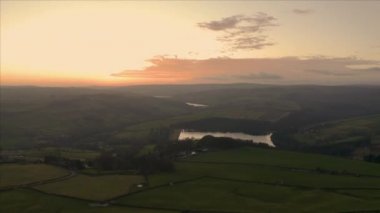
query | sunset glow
[81, 43]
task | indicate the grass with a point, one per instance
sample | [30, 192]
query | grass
[367, 194]
[262, 174]
[263, 180]
[289, 159]
[220, 195]
[238, 180]
[93, 188]
[17, 174]
[23, 200]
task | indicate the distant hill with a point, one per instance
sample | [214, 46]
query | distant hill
[67, 115]
[38, 115]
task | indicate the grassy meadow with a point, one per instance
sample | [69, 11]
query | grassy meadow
[232, 196]
[93, 187]
[265, 180]
[237, 180]
[24, 200]
[18, 174]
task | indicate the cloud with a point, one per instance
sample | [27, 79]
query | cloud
[229, 70]
[261, 76]
[223, 24]
[371, 69]
[242, 32]
[214, 79]
[303, 11]
[251, 42]
[330, 72]
[349, 72]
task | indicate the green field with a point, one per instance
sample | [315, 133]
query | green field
[264, 180]
[35, 202]
[274, 167]
[238, 180]
[18, 174]
[270, 175]
[93, 188]
[220, 195]
[273, 157]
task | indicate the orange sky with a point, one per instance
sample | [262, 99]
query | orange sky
[81, 43]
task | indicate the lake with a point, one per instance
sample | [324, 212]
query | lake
[196, 105]
[197, 135]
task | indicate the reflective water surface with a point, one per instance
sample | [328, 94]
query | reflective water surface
[196, 105]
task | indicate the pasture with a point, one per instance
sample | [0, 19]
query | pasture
[281, 158]
[19, 174]
[93, 187]
[264, 180]
[210, 194]
[24, 200]
[238, 180]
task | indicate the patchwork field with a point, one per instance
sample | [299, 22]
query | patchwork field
[18, 174]
[35, 202]
[274, 176]
[93, 188]
[263, 180]
[237, 180]
[233, 196]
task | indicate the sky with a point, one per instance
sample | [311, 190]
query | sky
[113, 43]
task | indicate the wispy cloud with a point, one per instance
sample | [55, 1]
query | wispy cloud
[260, 76]
[331, 72]
[241, 31]
[223, 24]
[370, 69]
[303, 11]
[374, 69]
[285, 70]
[346, 72]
